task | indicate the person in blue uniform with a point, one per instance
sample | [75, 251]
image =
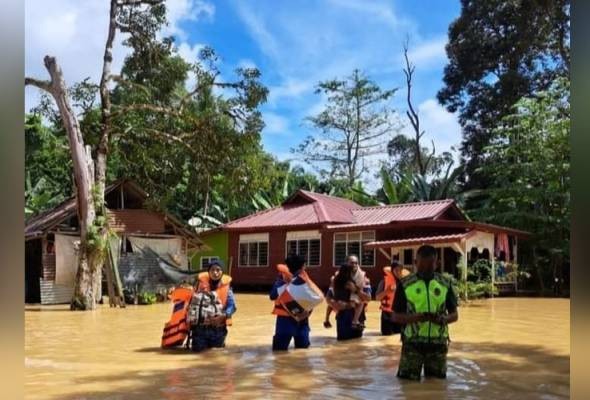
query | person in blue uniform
[288, 327]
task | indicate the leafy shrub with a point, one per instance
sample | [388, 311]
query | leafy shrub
[480, 271]
[146, 298]
[473, 290]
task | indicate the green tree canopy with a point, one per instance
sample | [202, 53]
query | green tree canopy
[500, 51]
[529, 164]
[355, 124]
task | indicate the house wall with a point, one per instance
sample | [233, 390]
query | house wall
[218, 242]
[51, 293]
[254, 276]
[136, 270]
[265, 276]
[48, 261]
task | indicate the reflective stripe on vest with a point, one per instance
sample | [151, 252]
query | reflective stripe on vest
[389, 290]
[222, 288]
[426, 299]
[176, 330]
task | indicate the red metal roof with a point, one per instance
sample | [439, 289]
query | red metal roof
[332, 209]
[400, 212]
[417, 241]
[278, 216]
[308, 208]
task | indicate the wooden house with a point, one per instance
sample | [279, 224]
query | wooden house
[325, 229]
[52, 236]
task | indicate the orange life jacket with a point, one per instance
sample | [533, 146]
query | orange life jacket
[282, 299]
[222, 288]
[287, 276]
[176, 330]
[389, 286]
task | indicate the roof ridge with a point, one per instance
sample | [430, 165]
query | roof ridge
[246, 217]
[321, 213]
[415, 203]
[326, 195]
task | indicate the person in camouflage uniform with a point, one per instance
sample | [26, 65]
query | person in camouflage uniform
[425, 304]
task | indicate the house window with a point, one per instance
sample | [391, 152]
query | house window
[205, 261]
[253, 250]
[408, 256]
[306, 244]
[352, 243]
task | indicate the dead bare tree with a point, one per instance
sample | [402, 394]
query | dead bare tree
[90, 175]
[414, 118]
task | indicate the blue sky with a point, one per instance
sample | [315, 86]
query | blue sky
[294, 44]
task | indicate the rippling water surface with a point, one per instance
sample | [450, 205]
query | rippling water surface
[502, 348]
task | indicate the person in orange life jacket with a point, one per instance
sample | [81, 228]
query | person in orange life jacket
[385, 293]
[287, 327]
[425, 304]
[213, 331]
[345, 328]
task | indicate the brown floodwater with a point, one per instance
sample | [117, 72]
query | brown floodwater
[501, 348]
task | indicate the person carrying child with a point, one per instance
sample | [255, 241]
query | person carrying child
[348, 296]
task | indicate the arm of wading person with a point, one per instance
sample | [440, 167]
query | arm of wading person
[451, 305]
[274, 292]
[333, 303]
[365, 292]
[380, 293]
[230, 309]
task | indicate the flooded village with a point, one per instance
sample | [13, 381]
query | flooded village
[337, 200]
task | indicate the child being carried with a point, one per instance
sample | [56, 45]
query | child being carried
[345, 288]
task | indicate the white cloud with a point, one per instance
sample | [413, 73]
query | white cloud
[440, 126]
[429, 53]
[246, 63]
[75, 33]
[72, 31]
[258, 30]
[188, 52]
[275, 124]
[289, 89]
[380, 10]
[178, 11]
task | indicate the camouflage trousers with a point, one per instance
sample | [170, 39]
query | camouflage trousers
[431, 356]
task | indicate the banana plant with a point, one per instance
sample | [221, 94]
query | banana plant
[396, 191]
[39, 197]
[265, 200]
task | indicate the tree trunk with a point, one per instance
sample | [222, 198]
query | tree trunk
[85, 294]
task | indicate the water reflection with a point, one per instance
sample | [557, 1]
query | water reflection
[517, 351]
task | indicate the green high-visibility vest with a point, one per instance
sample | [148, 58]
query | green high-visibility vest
[422, 298]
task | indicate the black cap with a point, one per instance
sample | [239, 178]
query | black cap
[217, 262]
